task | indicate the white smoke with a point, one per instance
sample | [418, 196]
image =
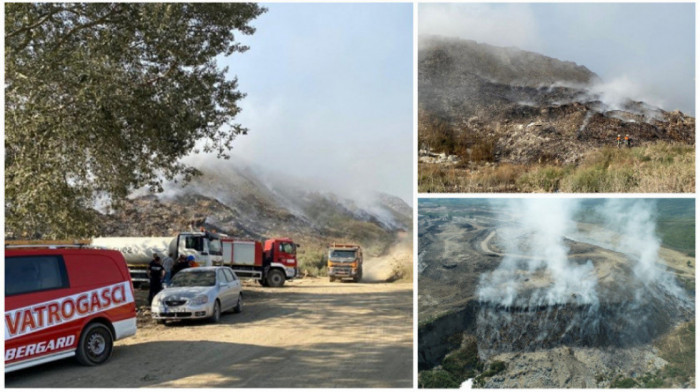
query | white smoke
[536, 269]
[535, 254]
[635, 222]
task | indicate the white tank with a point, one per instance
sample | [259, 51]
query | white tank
[138, 250]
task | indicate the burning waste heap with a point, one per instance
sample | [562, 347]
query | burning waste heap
[559, 284]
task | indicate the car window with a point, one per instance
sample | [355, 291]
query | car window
[230, 275]
[193, 278]
[27, 274]
[221, 277]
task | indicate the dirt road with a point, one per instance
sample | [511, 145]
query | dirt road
[310, 333]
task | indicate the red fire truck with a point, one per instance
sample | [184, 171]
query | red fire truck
[271, 263]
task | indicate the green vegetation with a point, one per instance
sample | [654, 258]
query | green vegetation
[621, 382]
[437, 378]
[104, 98]
[659, 167]
[678, 348]
[313, 263]
[457, 366]
[649, 380]
[464, 362]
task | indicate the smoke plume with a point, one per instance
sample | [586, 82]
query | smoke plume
[577, 274]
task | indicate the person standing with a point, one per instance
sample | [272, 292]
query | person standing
[168, 264]
[181, 264]
[155, 273]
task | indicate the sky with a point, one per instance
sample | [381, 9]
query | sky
[329, 96]
[644, 51]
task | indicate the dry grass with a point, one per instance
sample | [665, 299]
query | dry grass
[659, 167]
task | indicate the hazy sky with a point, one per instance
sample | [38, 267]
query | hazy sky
[330, 95]
[645, 51]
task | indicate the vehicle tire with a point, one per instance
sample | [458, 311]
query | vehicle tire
[217, 312]
[358, 277]
[95, 345]
[262, 282]
[331, 278]
[239, 305]
[275, 278]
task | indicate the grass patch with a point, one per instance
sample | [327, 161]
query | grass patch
[678, 348]
[659, 167]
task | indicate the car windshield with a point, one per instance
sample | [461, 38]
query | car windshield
[343, 254]
[191, 278]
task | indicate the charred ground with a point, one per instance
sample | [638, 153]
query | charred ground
[482, 107]
[461, 337]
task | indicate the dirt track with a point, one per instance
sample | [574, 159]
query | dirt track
[310, 333]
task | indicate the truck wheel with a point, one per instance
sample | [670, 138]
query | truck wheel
[331, 278]
[217, 312]
[275, 278]
[95, 345]
[358, 277]
[239, 305]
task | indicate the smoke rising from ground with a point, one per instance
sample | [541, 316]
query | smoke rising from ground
[542, 294]
[643, 52]
[535, 250]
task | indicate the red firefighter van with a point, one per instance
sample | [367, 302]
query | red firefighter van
[65, 301]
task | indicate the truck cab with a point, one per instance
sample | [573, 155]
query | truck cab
[280, 255]
[344, 262]
[203, 245]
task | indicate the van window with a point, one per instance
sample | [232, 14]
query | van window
[27, 274]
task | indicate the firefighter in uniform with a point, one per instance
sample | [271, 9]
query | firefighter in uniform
[155, 273]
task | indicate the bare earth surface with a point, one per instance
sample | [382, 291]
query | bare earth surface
[309, 333]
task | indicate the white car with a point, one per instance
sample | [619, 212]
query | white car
[199, 292]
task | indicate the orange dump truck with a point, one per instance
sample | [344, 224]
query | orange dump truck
[345, 262]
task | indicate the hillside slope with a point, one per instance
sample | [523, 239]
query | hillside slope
[244, 202]
[531, 108]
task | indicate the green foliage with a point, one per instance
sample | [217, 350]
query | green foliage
[437, 378]
[314, 263]
[623, 383]
[649, 380]
[462, 363]
[103, 98]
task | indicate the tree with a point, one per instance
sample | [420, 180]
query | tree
[101, 99]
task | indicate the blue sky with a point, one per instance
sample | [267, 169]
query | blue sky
[330, 96]
[645, 51]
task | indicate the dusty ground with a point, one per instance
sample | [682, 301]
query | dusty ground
[396, 265]
[310, 333]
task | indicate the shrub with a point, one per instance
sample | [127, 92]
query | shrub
[437, 378]
[623, 383]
